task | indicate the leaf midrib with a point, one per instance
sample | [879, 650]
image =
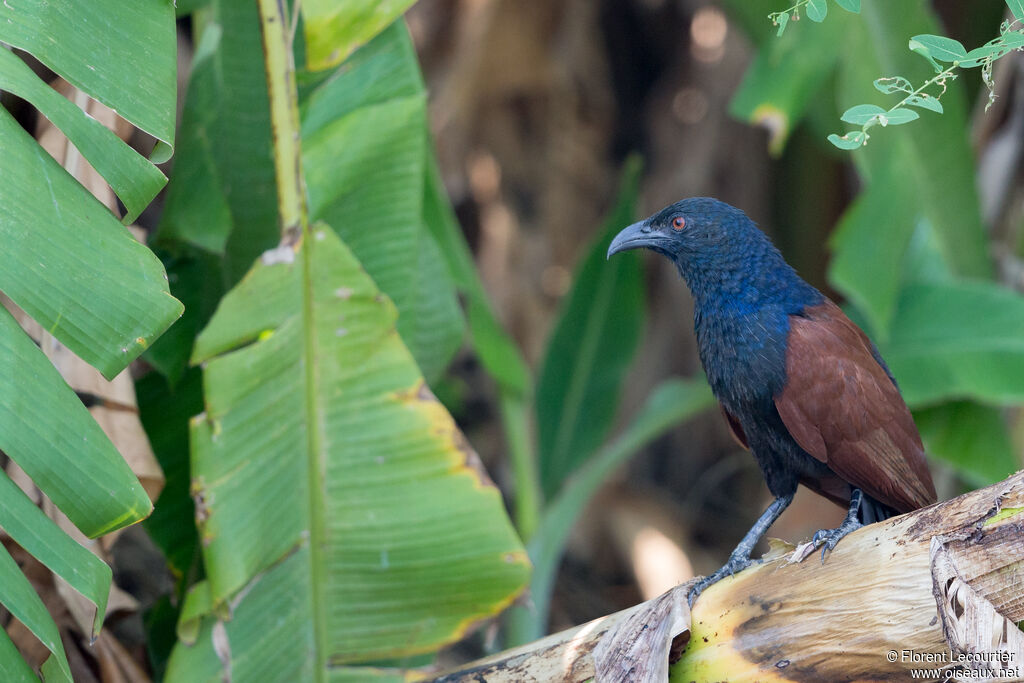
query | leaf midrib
[297, 234]
[314, 446]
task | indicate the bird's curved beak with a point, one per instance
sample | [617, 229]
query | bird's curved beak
[633, 237]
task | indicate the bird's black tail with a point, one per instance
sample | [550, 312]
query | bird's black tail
[872, 511]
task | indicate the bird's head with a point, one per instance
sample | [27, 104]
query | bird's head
[695, 228]
[717, 249]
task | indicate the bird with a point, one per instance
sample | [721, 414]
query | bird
[800, 384]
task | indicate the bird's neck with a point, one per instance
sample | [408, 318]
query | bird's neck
[747, 282]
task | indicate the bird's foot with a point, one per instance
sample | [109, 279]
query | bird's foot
[826, 539]
[734, 565]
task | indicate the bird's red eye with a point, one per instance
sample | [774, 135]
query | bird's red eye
[678, 223]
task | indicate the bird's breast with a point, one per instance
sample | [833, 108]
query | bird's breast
[744, 355]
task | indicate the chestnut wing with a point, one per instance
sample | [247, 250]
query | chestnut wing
[842, 407]
[736, 427]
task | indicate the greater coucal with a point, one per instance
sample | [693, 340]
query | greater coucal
[799, 383]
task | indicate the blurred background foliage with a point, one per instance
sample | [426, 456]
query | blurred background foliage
[477, 156]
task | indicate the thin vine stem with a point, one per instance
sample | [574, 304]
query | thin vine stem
[939, 78]
[788, 12]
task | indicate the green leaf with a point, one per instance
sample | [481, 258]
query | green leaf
[197, 280]
[669, 404]
[1017, 7]
[196, 210]
[20, 599]
[924, 260]
[384, 69]
[893, 84]
[781, 82]
[868, 276]
[925, 101]
[272, 617]
[972, 438]
[591, 348]
[936, 179]
[924, 52]
[343, 164]
[980, 55]
[165, 415]
[122, 54]
[159, 621]
[250, 629]
[861, 114]
[134, 179]
[817, 10]
[498, 353]
[47, 431]
[334, 30]
[12, 667]
[312, 398]
[434, 327]
[898, 116]
[221, 197]
[364, 173]
[954, 340]
[183, 8]
[994, 49]
[940, 48]
[850, 5]
[365, 158]
[40, 536]
[197, 604]
[848, 141]
[1011, 40]
[71, 265]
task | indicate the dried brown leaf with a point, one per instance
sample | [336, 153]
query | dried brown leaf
[966, 571]
[638, 647]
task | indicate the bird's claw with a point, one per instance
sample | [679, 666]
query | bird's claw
[696, 589]
[730, 568]
[827, 539]
[824, 539]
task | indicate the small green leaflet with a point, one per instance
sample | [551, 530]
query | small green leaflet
[993, 49]
[939, 47]
[893, 84]
[925, 101]
[898, 116]
[817, 10]
[861, 114]
[849, 141]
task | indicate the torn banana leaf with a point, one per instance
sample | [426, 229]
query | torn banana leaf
[326, 472]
